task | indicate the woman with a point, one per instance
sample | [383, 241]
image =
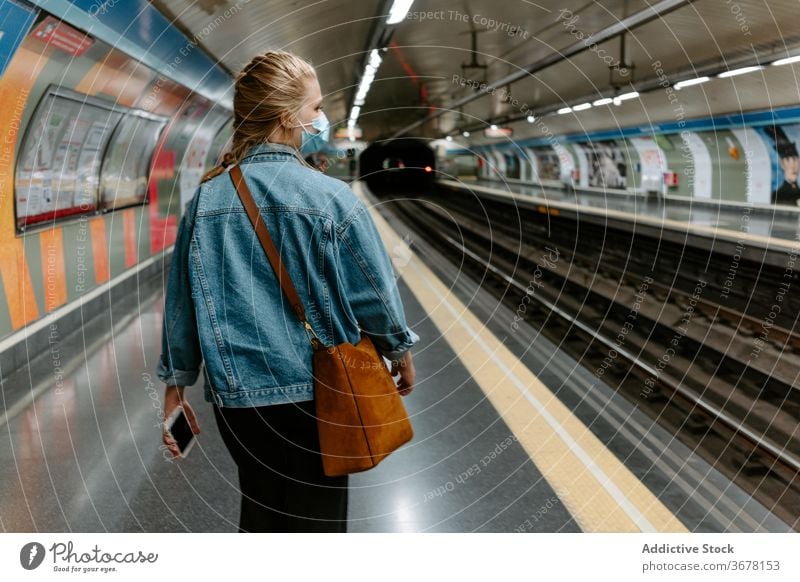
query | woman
[224, 307]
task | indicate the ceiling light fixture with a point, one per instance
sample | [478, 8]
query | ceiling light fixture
[624, 97]
[741, 71]
[787, 60]
[399, 11]
[689, 82]
[370, 70]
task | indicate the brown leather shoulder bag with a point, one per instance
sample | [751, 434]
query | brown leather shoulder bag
[360, 415]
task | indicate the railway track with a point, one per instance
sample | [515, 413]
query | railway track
[648, 328]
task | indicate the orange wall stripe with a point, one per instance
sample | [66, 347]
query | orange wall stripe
[97, 229]
[129, 233]
[117, 75]
[53, 268]
[15, 86]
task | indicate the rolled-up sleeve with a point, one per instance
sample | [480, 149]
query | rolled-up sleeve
[181, 356]
[370, 285]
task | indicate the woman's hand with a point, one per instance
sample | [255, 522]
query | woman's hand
[173, 397]
[405, 367]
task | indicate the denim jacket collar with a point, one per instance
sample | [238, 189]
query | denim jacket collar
[277, 151]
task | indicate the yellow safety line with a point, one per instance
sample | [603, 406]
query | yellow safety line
[597, 489]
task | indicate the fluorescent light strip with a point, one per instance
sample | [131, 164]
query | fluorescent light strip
[603, 101]
[626, 96]
[369, 77]
[689, 82]
[399, 11]
[741, 71]
[564, 110]
[370, 70]
[582, 106]
[787, 60]
[375, 59]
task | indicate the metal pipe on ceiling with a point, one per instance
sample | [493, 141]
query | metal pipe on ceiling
[642, 17]
[764, 53]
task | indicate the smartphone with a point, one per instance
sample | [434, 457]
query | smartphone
[177, 425]
[396, 376]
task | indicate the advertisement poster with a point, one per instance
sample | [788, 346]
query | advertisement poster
[784, 156]
[606, 164]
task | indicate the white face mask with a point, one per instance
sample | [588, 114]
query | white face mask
[314, 142]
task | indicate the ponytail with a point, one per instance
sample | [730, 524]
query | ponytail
[227, 160]
[271, 85]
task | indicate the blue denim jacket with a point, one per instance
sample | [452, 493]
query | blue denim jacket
[224, 307]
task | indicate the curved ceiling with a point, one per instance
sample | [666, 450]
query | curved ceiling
[429, 54]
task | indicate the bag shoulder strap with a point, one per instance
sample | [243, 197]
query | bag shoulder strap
[271, 250]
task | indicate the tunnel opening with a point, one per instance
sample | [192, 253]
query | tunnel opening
[398, 166]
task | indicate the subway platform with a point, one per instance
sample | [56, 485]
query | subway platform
[511, 434]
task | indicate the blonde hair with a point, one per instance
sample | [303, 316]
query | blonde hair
[268, 87]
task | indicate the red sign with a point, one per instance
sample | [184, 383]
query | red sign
[671, 179]
[62, 36]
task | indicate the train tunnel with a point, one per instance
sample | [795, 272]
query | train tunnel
[407, 165]
[399, 266]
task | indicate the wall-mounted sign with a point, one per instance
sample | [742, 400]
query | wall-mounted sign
[15, 21]
[62, 36]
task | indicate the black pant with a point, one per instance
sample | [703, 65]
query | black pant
[284, 489]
